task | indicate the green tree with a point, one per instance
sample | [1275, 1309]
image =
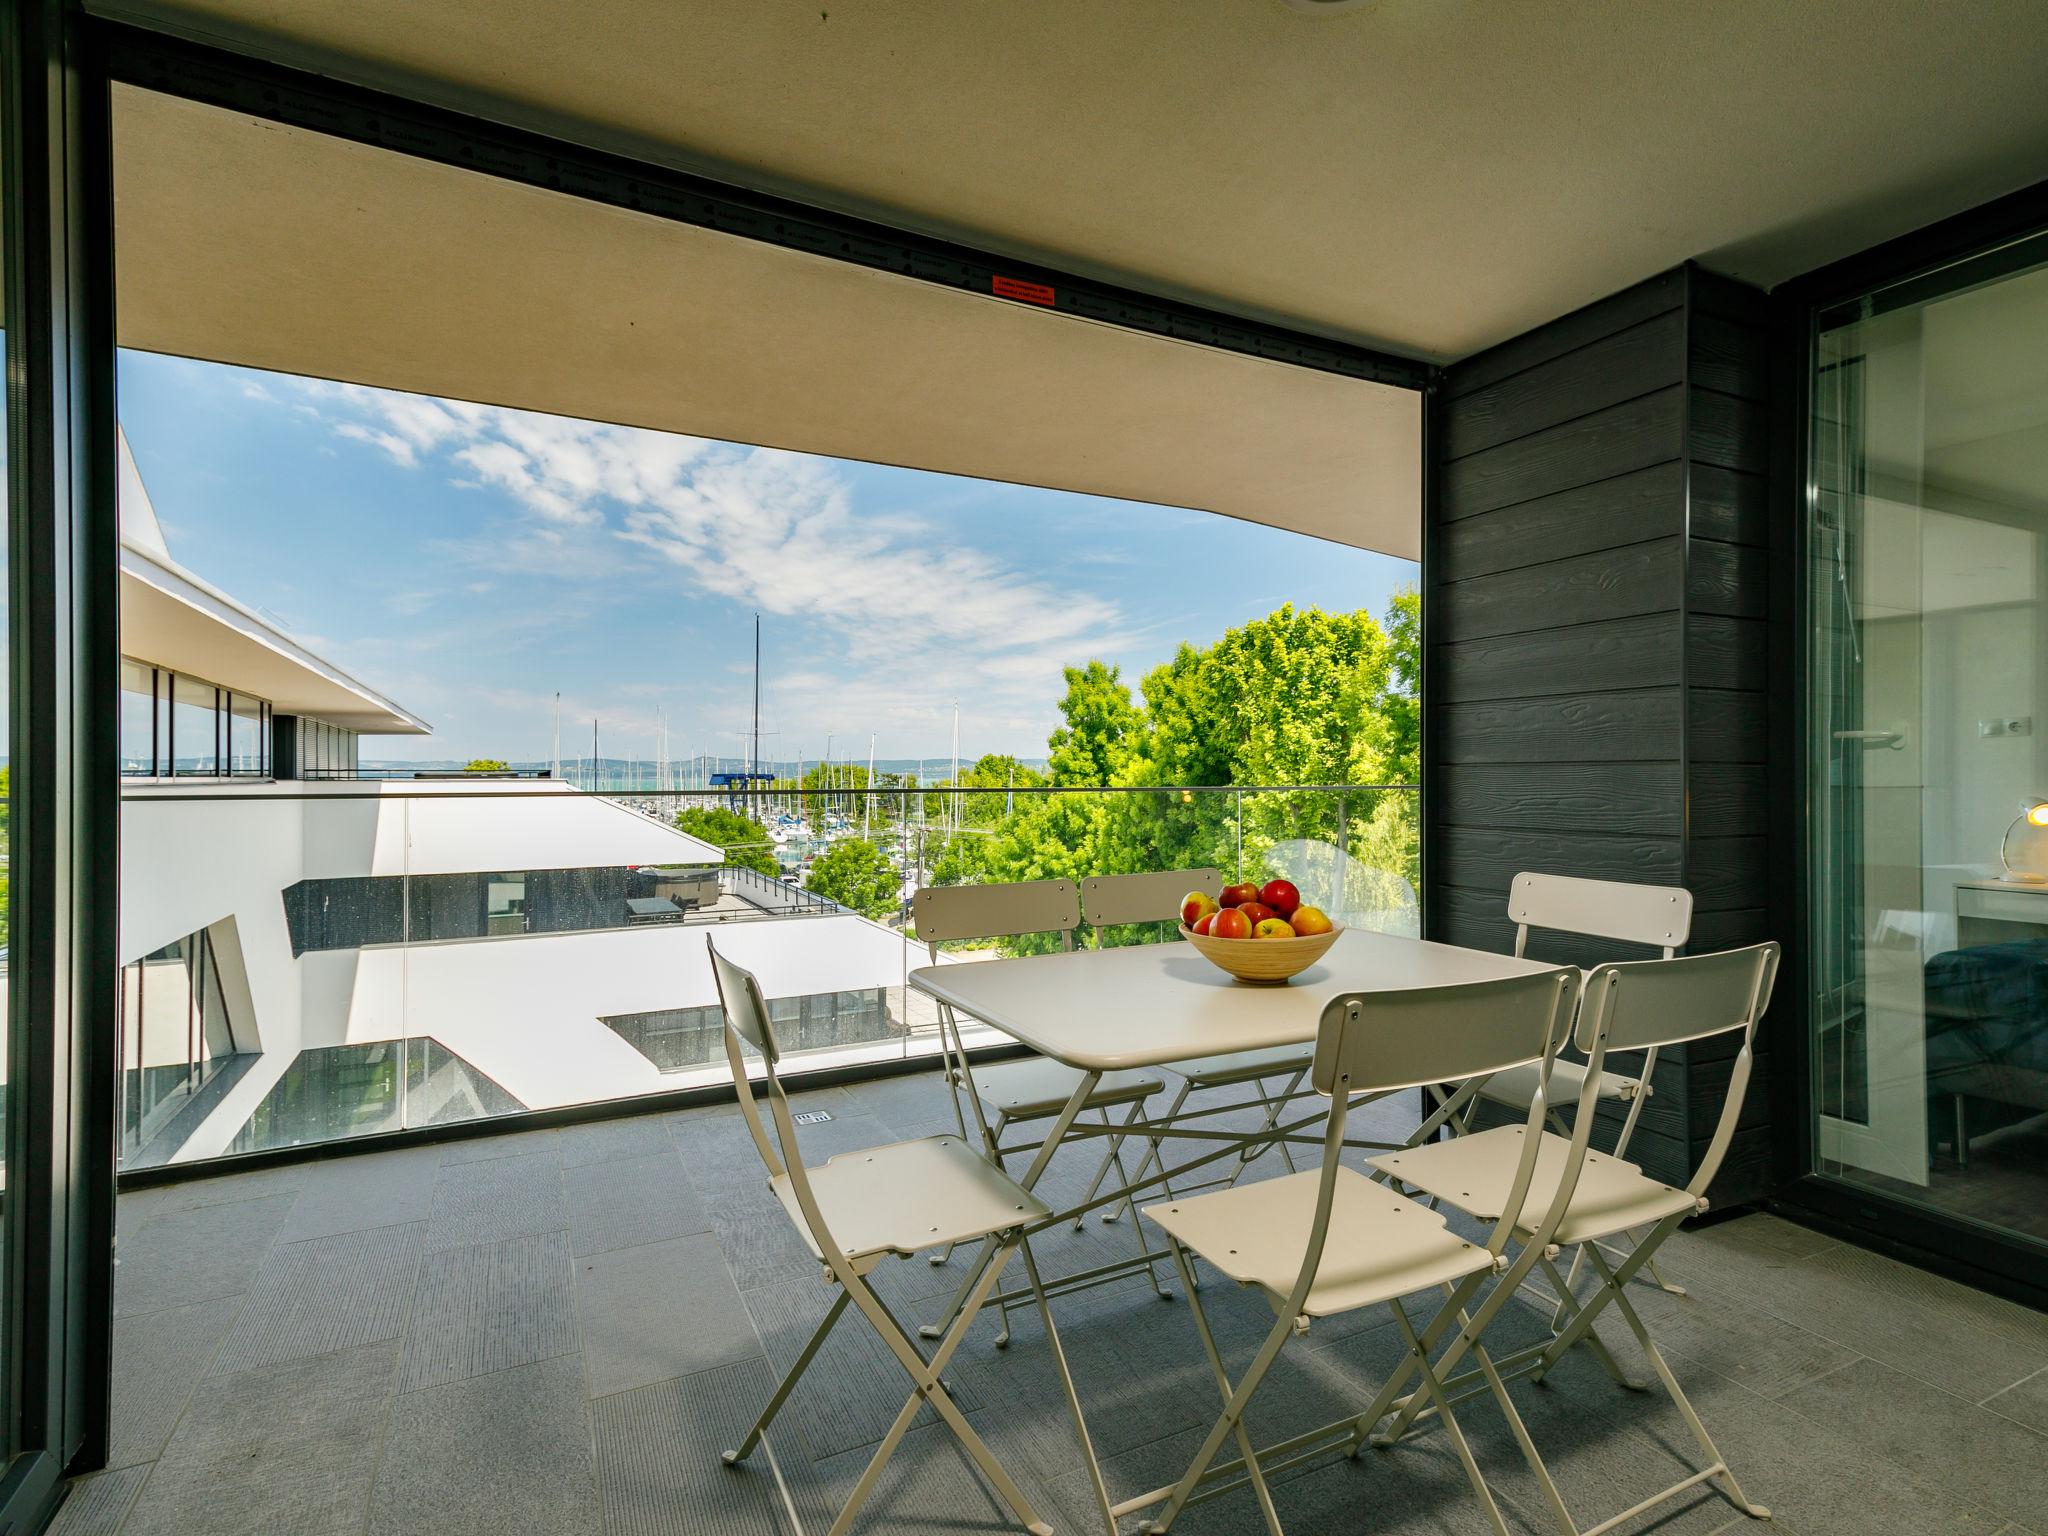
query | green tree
[1102, 726]
[854, 873]
[486, 765]
[745, 841]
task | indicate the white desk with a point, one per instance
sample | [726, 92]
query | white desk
[1149, 1005]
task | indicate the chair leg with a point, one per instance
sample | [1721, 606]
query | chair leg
[1274, 1106]
[1567, 1307]
[1434, 1390]
[1245, 1448]
[1109, 1159]
[1153, 1155]
[1655, 1356]
[803, 1361]
[927, 1387]
[1059, 1360]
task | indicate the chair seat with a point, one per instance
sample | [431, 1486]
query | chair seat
[1517, 1085]
[1476, 1173]
[1247, 1066]
[1381, 1244]
[1038, 1087]
[908, 1196]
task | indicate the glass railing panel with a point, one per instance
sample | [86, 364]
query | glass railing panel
[404, 955]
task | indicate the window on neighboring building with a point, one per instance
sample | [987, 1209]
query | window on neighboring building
[172, 724]
[176, 1034]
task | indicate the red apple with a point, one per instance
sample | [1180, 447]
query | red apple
[1195, 906]
[1281, 896]
[1273, 928]
[1256, 912]
[1238, 895]
[1229, 924]
[1203, 926]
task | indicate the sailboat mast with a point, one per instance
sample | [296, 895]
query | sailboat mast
[867, 801]
[593, 754]
[555, 745]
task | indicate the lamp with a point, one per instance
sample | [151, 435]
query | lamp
[2027, 840]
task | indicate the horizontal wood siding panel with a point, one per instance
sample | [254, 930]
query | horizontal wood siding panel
[1490, 858]
[1628, 509]
[1730, 506]
[1640, 726]
[1727, 727]
[1725, 653]
[1640, 652]
[1730, 357]
[1633, 362]
[1727, 579]
[1729, 432]
[1567, 333]
[1728, 799]
[1727, 874]
[1641, 798]
[1611, 584]
[1712, 931]
[1622, 438]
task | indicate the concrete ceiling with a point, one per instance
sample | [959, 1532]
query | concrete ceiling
[246, 242]
[1429, 175]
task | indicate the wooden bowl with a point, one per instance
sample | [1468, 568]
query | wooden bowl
[1262, 962]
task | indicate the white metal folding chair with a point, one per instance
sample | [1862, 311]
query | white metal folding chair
[1109, 901]
[1035, 1089]
[1643, 1005]
[1330, 1240]
[861, 1207]
[1657, 916]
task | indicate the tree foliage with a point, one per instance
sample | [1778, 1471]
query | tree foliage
[486, 765]
[745, 841]
[855, 874]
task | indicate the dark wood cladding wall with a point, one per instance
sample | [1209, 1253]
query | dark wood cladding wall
[1597, 587]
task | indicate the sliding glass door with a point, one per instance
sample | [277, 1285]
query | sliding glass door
[1928, 703]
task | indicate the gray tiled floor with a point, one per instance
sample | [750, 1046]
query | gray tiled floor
[559, 1332]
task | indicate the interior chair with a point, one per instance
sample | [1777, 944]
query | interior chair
[1643, 1005]
[1659, 916]
[1330, 1240]
[1109, 901]
[1035, 1089]
[862, 1207]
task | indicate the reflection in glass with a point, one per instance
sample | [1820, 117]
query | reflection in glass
[1929, 572]
[176, 1033]
[195, 728]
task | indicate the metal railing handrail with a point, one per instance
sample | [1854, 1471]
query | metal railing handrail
[721, 795]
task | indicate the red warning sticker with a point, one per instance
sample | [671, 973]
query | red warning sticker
[1028, 293]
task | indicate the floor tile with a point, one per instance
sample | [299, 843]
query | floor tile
[507, 1452]
[159, 1358]
[664, 1310]
[659, 1449]
[488, 1307]
[196, 1255]
[96, 1505]
[632, 1202]
[1973, 1454]
[326, 1294]
[487, 1202]
[2026, 1402]
[610, 1141]
[488, 1149]
[284, 1448]
[385, 1189]
[226, 1189]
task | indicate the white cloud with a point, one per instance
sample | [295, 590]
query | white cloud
[916, 615]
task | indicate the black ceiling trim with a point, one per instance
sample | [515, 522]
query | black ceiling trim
[243, 83]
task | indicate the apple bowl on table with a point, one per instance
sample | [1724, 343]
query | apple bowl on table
[1260, 934]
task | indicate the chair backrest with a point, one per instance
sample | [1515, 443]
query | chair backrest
[746, 1019]
[1380, 1042]
[945, 912]
[1659, 915]
[1645, 1004]
[1152, 897]
[1377, 1043]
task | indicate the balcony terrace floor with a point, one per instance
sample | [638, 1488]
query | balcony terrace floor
[559, 1331]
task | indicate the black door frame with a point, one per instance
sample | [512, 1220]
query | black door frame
[1964, 1250]
[63, 649]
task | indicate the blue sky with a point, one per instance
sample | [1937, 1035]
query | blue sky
[471, 561]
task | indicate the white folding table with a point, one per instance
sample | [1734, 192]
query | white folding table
[1150, 1005]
